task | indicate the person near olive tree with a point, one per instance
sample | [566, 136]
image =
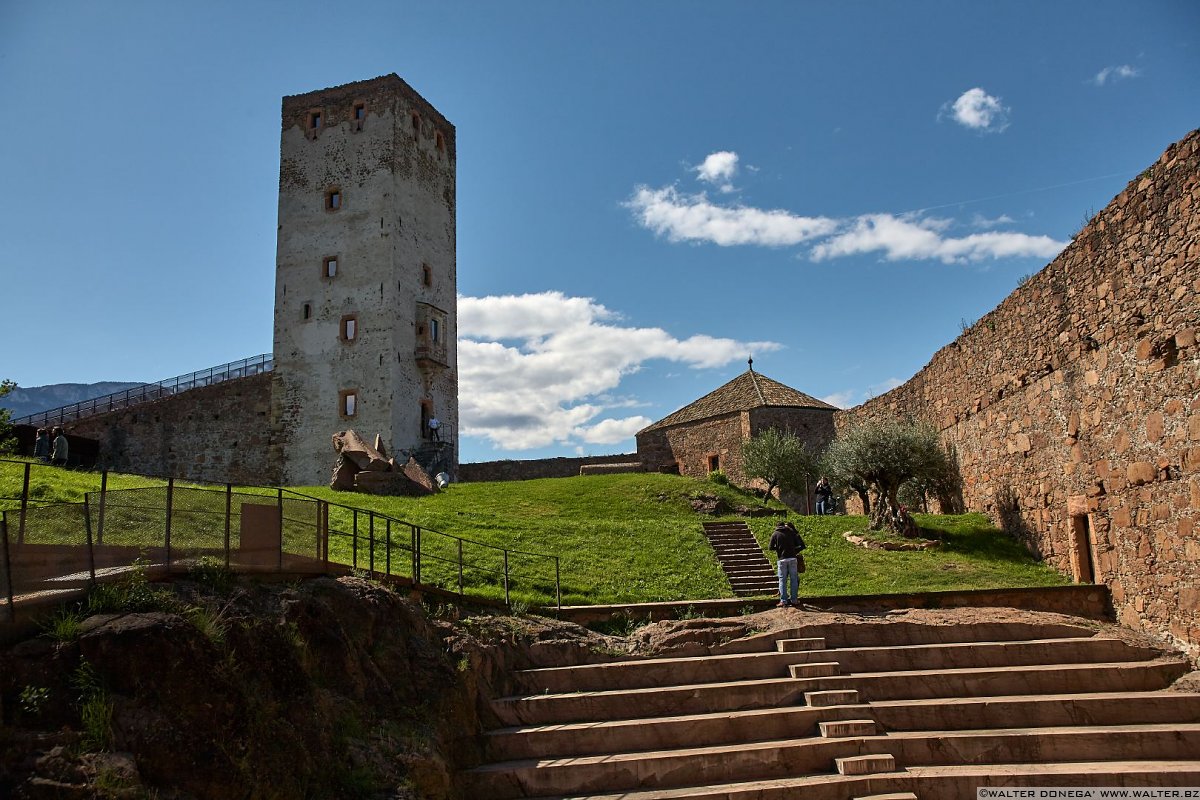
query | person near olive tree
[787, 544]
[824, 494]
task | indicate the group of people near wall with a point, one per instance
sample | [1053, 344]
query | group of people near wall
[50, 447]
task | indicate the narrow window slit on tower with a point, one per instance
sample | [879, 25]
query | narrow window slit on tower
[331, 267]
[333, 199]
[426, 275]
[307, 310]
[360, 115]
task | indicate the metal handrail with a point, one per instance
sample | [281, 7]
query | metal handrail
[137, 395]
[377, 522]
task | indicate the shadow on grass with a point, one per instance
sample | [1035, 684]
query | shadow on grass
[973, 534]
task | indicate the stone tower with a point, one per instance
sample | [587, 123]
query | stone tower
[365, 282]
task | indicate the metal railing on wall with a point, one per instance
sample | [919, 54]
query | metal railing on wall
[51, 548]
[150, 391]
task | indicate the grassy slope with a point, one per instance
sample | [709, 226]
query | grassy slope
[631, 538]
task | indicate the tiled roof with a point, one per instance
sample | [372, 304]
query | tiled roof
[746, 391]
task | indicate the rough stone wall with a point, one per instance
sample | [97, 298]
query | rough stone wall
[390, 157]
[217, 433]
[690, 444]
[1074, 406]
[524, 470]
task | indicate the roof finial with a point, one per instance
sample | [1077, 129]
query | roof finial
[750, 361]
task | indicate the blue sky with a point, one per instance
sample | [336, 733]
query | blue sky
[647, 192]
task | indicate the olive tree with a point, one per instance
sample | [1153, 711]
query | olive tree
[779, 458]
[882, 456]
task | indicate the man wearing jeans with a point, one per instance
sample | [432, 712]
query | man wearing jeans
[787, 544]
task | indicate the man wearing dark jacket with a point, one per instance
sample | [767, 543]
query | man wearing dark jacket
[787, 544]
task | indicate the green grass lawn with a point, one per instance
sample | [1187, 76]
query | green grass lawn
[619, 539]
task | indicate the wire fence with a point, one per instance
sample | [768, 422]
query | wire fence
[48, 548]
[149, 391]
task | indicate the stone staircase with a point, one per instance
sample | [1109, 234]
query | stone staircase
[745, 565]
[874, 710]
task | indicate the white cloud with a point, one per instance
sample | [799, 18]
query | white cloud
[980, 221]
[538, 369]
[841, 399]
[883, 387]
[977, 110]
[1115, 73]
[611, 431]
[693, 218]
[718, 169]
[909, 238]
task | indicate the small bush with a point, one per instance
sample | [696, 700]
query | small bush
[33, 698]
[63, 626]
[134, 592]
[718, 477]
[95, 708]
[213, 574]
[210, 623]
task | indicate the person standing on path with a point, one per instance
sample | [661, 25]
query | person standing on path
[787, 544]
[59, 457]
[41, 446]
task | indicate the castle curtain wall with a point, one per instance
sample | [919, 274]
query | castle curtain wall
[1074, 406]
[217, 433]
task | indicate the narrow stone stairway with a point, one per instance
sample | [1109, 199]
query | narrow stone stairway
[745, 565]
[828, 711]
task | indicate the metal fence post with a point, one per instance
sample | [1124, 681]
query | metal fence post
[228, 518]
[371, 543]
[506, 602]
[460, 569]
[170, 505]
[24, 506]
[279, 564]
[103, 499]
[91, 549]
[418, 575]
[412, 552]
[325, 534]
[557, 584]
[388, 555]
[354, 532]
[12, 609]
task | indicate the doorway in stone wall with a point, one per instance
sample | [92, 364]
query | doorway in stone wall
[1081, 549]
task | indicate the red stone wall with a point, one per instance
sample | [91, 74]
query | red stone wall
[690, 444]
[529, 469]
[1075, 404]
[218, 433]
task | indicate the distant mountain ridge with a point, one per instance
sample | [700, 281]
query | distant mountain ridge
[29, 400]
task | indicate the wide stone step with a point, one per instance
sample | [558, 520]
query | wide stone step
[1135, 676]
[929, 783]
[660, 768]
[666, 671]
[983, 654]
[785, 758]
[687, 731]
[1040, 711]
[707, 698]
[1174, 741]
[702, 730]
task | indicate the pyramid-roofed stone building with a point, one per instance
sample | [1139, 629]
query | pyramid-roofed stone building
[707, 434]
